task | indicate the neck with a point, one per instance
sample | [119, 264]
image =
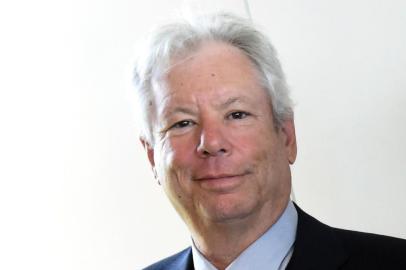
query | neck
[222, 242]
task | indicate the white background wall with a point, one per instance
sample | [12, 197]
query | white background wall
[75, 188]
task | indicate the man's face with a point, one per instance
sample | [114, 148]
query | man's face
[217, 152]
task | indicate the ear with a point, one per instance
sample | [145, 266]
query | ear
[288, 129]
[150, 152]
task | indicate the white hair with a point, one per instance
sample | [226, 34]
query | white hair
[183, 37]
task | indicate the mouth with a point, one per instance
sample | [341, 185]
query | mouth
[223, 183]
[210, 177]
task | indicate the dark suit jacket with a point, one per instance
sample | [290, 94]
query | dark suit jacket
[321, 247]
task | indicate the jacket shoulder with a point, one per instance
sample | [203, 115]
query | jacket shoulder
[368, 245]
[319, 246]
[179, 261]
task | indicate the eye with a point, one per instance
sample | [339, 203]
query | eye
[182, 124]
[238, 115]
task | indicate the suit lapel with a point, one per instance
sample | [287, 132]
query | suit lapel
[184, 261]
[316, 246]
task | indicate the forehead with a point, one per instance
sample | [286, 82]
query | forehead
[213, 59]
[211, 68]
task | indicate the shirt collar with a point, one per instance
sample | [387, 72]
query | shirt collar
[267, 252]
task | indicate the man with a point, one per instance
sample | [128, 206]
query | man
[219, 133]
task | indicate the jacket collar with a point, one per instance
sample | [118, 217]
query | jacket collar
[316, 245]
[184, 261]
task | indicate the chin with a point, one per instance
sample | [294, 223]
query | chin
[227, 210]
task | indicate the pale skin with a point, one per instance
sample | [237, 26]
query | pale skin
[218, 154]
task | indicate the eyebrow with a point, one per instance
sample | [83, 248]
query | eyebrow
[169, 111]
[233, 100]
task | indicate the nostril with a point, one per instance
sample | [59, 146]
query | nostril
[214, 153]
[212, 143]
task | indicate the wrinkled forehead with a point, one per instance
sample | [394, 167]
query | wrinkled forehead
[217, 68]
[200, 68]
[208, 51]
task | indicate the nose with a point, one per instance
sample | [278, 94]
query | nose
[213, 141]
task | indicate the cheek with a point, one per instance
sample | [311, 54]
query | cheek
[182, 153]
[173, 159]
[175, 173]
[251, 143]
[261, 149]
[242, 138]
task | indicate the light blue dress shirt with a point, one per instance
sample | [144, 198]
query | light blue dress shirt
[272, 251]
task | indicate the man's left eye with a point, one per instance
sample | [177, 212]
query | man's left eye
[238, 115]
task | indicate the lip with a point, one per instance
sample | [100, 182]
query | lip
[221, 183]
[218, 176]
